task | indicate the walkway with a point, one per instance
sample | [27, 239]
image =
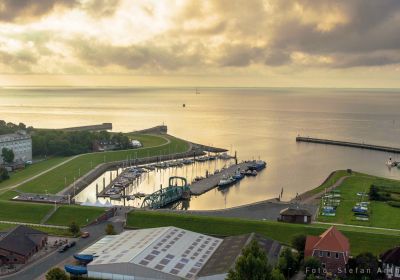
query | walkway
[314, 199]
[32, 225]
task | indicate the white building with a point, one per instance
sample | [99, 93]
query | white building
[168, 253]
[20, 143]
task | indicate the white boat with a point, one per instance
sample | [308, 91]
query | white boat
[224, 182]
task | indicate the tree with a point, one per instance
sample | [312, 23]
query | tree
[3, 174]
[277, 275]
[252, 264]
[312, 266]
[288, 263]
[299, 242]
[74, 229]
[56, 274]
[365, 266]
[110, 229]
[8, 155]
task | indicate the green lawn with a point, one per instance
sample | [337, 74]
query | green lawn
[283, 232]
[381, 214]
[148, 140]
[62, 176]
[31, 170]
[332, 179]
[23, 212]
[65, 215]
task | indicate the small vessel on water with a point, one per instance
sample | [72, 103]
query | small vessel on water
[258, 165]
[238, 175]
[225, 182]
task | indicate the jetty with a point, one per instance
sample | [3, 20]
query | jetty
[348, 144]
[206, 184]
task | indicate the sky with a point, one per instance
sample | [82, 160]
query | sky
[271, 43]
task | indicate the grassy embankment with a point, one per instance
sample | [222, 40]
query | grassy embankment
[381, 213]
[375, 242]
[31, 170]
[54, 181]
[82, 215]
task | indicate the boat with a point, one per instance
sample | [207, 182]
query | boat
[75, 269]
[187, 161]
[225, 182]
[216, 171]
[198, 178]
[224, 156]
[248, 172]
[115, 196]
[258, 165]
[238, 175]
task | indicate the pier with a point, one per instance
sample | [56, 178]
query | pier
[348, 144]
[206, 184]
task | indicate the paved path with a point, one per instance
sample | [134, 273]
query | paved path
[314, 199]
[31, 224]
[263, 210]
[355, 226]
[37, 269]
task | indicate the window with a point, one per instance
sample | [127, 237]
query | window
[328, 254]
[337, 255]
[321, 254]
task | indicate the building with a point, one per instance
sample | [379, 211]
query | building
[20, 143]
[19, 244]
[168, 253]
[295, 215]
[332, 248]
[391, 263]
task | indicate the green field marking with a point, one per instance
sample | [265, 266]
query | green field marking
[82, 215]
[381, 214]
[62, 176]
[23, 212]
[282, 232]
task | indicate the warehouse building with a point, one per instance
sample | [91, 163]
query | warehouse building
[169, 253]
[20, 143]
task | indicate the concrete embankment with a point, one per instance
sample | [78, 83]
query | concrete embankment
[348, 144]
[212, 181]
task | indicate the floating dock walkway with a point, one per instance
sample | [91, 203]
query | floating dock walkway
[348, 144]
[206, 184]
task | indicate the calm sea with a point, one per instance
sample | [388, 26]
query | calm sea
[259, 122]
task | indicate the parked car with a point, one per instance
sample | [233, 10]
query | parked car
[71, 244]
[63, 248]
[85, 234]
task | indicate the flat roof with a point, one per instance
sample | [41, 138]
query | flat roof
[169, 250]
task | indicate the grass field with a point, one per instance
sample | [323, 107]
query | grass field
[65, 215]
[381, 214]
[31, 170]
[62, 176]
[23, 212]
[283, 232]
[332, 179]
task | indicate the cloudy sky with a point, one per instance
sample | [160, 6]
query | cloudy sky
[324, 43]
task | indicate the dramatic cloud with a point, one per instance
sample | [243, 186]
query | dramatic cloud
[150, 36]
[27, 10]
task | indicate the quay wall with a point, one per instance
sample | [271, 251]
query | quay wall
[348, 144]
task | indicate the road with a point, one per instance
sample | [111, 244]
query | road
[40, 267]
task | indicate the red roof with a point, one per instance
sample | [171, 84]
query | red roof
[331, 240]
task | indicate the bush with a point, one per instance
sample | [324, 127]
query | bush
[56, 274]
[394, 203]
[74, 229]
[3, 174]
